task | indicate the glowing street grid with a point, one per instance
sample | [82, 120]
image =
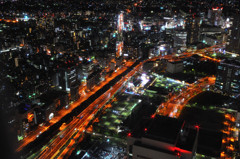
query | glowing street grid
[124, 103]
[110, 128]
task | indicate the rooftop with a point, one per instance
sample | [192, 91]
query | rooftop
[50, 96]
[164, 129]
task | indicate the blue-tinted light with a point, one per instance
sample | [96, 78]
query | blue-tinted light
[26, 17]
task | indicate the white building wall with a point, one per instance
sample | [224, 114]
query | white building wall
[145, 153]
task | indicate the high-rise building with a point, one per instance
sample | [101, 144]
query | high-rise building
[215, 16]
[233, 42]
[87, 69]
[228, 77]
[67, 78]
[192, 27]
[180, 38]
[93, 79]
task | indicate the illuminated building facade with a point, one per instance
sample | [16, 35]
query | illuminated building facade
[180, 38]
[119, 42]
[120, 22]
[228, 77]
[215, 16]
[119, 49]
[67, 78]
[233, 42]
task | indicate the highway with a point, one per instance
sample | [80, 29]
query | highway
[174, 105]
[78, 125]
[63, 112]
[90, 112]
[176, 102]
[201, 52]
[170, 108]
[9, 20]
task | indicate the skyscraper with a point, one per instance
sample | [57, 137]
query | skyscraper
[228, 75]
[233, 42]
[180, 38]
[215, 16]
[192, 27]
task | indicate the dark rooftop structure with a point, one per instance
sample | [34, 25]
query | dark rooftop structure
[24, 107]
[209, 143]
[165, 137]
[210, 136]
[164, 129]
[50, 96]
[98, 71]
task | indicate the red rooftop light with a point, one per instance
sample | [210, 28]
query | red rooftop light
[178, 154]
[217, 8]
[197, 126]
[129, 134]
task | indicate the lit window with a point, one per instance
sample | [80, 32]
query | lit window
[220, 67]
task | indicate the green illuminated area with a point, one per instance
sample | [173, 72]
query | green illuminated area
[112, 119]
[121, 117]
[150, 93]
[20, 138]
[163, 86]
[220, 55]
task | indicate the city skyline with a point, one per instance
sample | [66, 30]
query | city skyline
[120, 79]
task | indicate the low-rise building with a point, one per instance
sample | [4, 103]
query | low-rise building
[165, 138]
[174, 66]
